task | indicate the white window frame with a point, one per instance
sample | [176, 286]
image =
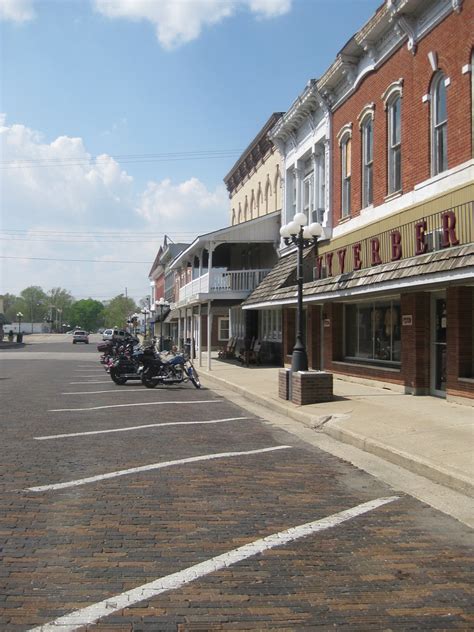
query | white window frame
[439, 127]
[346, 193]
[394, 147]
[367, 161]
[220, 320]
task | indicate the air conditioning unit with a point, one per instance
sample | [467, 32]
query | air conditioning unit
[434, 240]
[317, 215]
[324, 273]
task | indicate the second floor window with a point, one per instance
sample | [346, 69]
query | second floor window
[394, 146]
[439, 125]
[346, 147]
[367, 162]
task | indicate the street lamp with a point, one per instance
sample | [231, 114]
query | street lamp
[161, 304]
[298, 233]
[19, 317]
[145, 311]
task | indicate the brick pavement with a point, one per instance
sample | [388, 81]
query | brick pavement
[401, 567]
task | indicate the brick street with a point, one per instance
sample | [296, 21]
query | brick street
[402, 566]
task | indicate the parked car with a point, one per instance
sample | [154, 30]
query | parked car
[114, 334]
[80, 336]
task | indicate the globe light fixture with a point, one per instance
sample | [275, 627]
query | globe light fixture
[298, 233]
[161, 304]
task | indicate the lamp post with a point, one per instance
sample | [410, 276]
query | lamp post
[298, 233]
[145, 312]
[19, 317]
[161, 304]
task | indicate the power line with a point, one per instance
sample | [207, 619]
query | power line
[73, 260]
[28, 163]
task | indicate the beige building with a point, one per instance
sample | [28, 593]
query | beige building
[254, 182]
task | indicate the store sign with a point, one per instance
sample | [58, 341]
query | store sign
[396, 245]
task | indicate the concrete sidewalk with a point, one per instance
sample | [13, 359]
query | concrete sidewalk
[425, 435]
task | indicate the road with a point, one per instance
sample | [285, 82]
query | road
[131, 509]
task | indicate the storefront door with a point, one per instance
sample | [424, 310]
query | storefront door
[438, 347]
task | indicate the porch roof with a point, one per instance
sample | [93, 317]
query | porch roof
[455, 264]
[259, 230]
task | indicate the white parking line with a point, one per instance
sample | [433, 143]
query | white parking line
[193, 401]
[95, 612]
[152, 466]
[96, 382]
[128, 428]
[115, 390]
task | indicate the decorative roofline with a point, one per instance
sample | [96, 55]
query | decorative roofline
[260, 146]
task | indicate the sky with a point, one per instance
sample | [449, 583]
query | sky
[120, 118]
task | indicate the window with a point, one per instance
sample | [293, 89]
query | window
[308, 190]
[372, 332]
[439, 125]
[270, 325]
[346, 175]
[223, 327]
[394, 145]
[367, 161]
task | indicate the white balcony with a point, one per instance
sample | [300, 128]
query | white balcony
[222, 283]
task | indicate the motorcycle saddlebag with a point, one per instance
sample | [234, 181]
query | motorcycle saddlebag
[103, 346]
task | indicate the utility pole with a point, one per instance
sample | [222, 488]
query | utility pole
[126, 295]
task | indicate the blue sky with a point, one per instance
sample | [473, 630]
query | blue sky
[122, 78]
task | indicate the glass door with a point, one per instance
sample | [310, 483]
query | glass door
[438, 362]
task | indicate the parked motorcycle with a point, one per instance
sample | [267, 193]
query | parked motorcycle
[157, 370]
[125, 364]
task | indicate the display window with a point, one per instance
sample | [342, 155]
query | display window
[372, 332]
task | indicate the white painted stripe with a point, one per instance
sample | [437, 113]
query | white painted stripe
[152, 466]
[97, 382]
[128, 428]
[91, 614]
[115, 390]
[193, 401]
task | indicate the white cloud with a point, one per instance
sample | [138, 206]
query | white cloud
[16, 10]
[180, 21]
[188, 206]
[64, 201]
[59, 180]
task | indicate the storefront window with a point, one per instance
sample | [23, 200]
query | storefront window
[270, 325]
[372, 332]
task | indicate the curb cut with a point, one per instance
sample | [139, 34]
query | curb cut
[416, 465]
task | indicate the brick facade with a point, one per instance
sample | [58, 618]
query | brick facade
[452, 40]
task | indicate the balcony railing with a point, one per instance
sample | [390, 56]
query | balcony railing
[222, 281]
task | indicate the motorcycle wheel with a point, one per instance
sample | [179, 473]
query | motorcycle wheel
[118, 379]
[194, 377]
[149, 382]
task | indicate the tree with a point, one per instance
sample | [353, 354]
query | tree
[119, 310]
[34, 303]
[10, 306]
[87, 314]
[60, 302]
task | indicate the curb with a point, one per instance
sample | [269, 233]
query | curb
[416, 465]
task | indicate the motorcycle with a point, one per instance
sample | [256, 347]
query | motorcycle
[125, 365]
[158, 371]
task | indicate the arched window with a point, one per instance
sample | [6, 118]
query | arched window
[367, 133]
[240, 213]
[246, 209]
[268, 193]
[346, 155]
[394, 148]
[439, 125]
[259, 198]
[233, 216]
[277, 188]
[252, 204]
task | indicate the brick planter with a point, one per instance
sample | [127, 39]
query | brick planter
[284, 383]
[311, 387]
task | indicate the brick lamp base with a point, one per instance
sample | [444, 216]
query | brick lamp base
[311, 387]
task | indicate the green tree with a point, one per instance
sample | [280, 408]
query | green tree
[119, 310]
[60, 302]
[35, 304]
[87, 313]
[11, 306]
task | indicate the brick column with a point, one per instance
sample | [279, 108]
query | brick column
[416, 342]
[313, 337]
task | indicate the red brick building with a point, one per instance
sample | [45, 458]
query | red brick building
[390, 295]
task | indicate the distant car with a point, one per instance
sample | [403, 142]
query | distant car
[114, 334]
[69, 333]
[80, 336]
